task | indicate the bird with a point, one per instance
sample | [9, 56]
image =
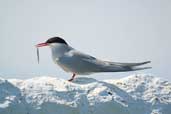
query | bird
[78, 63]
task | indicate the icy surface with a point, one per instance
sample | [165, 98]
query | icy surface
[136, 94]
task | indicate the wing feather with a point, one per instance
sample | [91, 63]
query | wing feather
[87, 63]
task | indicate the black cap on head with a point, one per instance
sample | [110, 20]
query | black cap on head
[56, 40]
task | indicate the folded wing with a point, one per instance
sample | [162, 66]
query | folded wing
[95, 65]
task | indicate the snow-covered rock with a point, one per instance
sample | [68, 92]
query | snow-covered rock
[136, 94]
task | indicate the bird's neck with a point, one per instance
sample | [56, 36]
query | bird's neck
[58, 50]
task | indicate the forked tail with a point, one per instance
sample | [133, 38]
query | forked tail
[124, 67]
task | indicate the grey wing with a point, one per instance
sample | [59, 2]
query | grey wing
[107, 66]
[87, 63]
[79, 63]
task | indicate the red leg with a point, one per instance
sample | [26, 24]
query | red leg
[73, 76]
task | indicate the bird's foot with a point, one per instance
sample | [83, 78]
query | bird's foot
[73, 76]
[70, 80]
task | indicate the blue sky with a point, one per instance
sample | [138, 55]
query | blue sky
[116, 30]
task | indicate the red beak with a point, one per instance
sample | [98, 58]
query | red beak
[42, 44]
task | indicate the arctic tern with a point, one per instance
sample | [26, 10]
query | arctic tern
[78, 63]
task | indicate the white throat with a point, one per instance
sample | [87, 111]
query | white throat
[59, 49]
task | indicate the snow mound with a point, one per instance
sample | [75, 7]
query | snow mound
[136, 94]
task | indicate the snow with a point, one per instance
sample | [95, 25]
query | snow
[136, 94]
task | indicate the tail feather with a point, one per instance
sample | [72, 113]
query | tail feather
[128, 64]
[124, 67]
[146, 62]
[140, 68]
